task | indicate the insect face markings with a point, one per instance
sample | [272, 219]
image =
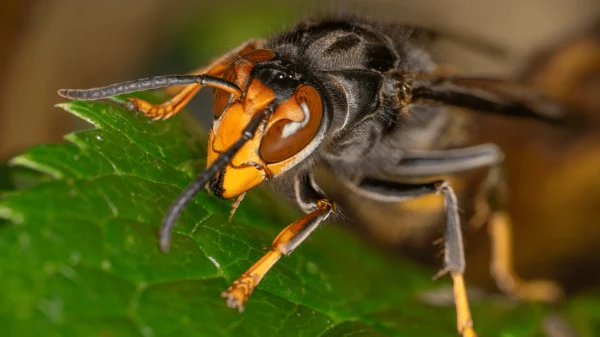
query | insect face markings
[266, 81]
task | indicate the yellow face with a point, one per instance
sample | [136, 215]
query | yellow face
[273, 148]
[276, 145]
[245, 169]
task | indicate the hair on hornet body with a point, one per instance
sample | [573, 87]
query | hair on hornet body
[344, 89]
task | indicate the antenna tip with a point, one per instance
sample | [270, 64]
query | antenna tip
[165, 244]
[63, 93]
[165, 239]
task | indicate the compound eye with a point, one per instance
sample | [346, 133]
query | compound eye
[300, 121]
[224, 98]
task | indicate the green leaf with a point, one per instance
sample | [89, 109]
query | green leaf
[80, 253]
[583, 313]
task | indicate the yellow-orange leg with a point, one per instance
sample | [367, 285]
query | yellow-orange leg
[292, 236]
[220, 65]
[168, 108]
[464, 322]
[502, 268]
[186, 93]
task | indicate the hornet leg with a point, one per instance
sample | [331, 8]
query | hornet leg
[284, 244]
[185, 94]
[490, 206]
[454, 256]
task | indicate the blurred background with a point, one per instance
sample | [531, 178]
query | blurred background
[553, 175]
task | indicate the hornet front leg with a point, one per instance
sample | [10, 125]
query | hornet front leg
[318, 208]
